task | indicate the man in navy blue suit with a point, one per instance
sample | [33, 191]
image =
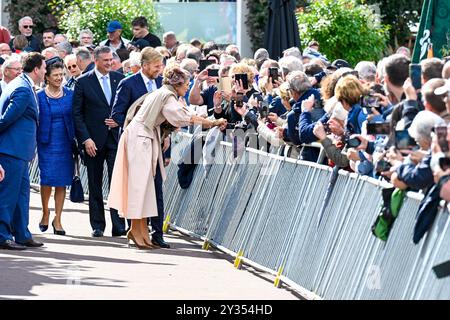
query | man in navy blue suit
[130, 89]
[18, 124]
[93, 97]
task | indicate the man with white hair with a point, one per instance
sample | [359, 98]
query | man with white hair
[59, 38]
[416, 174]
[289, 64]
[50, 53]
[86, 38]
[26, 29]
[170, 41]
[64, 48]
[366, 71]
[11, 69]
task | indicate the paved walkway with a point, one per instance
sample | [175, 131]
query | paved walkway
[78, 266]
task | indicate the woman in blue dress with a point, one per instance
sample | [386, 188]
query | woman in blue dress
[54, 142]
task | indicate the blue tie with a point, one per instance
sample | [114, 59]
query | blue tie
[149, 86]
[106, 89]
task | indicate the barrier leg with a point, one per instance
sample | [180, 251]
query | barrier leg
[166, 224]
[238, 260]
[277, 283]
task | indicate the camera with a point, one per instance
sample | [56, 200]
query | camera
[352, 142]
[239, 101]
[379, 128]
[326, 126]
[263, 110]
[404, 141]
[444, 163]
[382, 165]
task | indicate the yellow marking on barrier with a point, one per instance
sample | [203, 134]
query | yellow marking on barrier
[206, 245]
[238, 260]
[277, 282]
[166, 224]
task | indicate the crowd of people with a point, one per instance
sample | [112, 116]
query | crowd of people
[118, 102]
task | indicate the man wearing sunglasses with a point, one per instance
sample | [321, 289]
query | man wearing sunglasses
[26, 29]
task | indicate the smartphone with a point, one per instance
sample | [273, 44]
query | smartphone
[415, 73]
[225, 84]
[213, 72]
[353, 142]
[258, 96]
[442, 270]
[273, 73]
[239, 100]
[404, 141]
[203, 63]
[379, 128]
[244, 78]
[370, 101]
[382, 165]
[441, 132]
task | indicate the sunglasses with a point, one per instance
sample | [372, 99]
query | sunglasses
[53, 60]
[28, 27]
[72, 67]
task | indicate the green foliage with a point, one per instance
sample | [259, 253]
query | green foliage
[399, 15]
[256, 21]
[36, 9]
[76, 15]
[344, 30]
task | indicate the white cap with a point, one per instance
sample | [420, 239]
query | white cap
[444, 89]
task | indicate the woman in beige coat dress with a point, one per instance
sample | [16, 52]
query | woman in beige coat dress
[139, 154]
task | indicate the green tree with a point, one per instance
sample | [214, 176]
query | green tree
[76, 15]
[36, 9]
[400, 15]
[344, 29]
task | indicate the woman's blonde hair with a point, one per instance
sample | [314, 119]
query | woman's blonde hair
[349, 89]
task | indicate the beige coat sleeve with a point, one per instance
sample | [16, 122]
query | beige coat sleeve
[176, 113]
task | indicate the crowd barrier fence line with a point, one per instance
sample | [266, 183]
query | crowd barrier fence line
[263, 209]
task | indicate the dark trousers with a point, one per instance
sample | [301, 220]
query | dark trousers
[94, 168]
[157, 222]
[14, 200]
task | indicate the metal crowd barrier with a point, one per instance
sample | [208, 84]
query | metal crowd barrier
[264, 210]
[267, 211]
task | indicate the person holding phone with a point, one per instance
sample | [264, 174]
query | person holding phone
[415, 172]
[242, 76]
[199, 96]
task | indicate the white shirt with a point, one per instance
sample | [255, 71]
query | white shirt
[146, 80]
[100, 79]
[3, 84]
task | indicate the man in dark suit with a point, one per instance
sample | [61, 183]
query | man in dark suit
[130, 89]
[93, 96]
[18, 123]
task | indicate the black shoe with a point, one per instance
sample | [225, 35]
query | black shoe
[43, 227]
[58, 232]
[11, 245]
[157, 241]
[97, 233]
[31, 243]
[119, 233]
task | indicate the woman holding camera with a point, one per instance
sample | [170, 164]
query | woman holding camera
[54, 142]
[136, 184]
